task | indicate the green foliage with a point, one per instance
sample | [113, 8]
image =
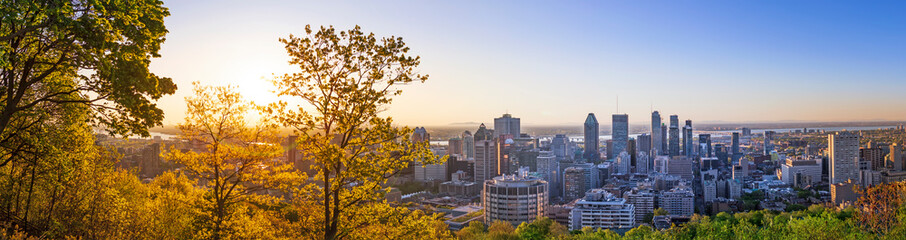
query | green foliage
[659, 212]
[345, 79]
[816, 222]
[794, 207]
[750, 201]
[541, 228]
[101, 49]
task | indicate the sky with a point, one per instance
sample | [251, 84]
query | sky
[553, 62]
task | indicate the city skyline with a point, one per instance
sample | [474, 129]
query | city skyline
[741, 62]
[748, 119]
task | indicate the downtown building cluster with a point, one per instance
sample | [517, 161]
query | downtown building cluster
[671, 170]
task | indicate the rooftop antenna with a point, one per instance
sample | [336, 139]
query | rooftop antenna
[618, 103]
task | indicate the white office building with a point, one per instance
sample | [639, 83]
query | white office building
[600, 209]
[800, 172]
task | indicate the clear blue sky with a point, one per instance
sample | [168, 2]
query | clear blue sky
[553, 62]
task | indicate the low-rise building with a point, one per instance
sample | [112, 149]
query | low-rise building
[678, 201]
[600, 209]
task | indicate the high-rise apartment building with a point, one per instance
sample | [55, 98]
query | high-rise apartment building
[514, 199]
[843, 150]
[591, 138]
[574, 183]
[620, 134]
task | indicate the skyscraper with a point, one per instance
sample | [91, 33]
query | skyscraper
[663, 150]
[768, 142]
[549, 168]
[506, 125]
[483, 133]
[895, 158]
[419, 134]
[688, 148]
[734, 148]
[642, 163]
[746, 132]
[591, 138]
[674, 146]
[620, 134]
[843, 148]
[468, 145]
[704, 142]
[560, 146]
[656, 134]
[623, 162]
[505, 153]
[485, 160]
[454, 146]
[644, 143]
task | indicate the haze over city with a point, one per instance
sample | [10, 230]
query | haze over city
[552, 63]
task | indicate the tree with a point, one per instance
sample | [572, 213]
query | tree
[345, 80]
[232, 159]
[659, 212]
[474, 230]
[501, 230]
[879, 206]
[541, 228]
[90, 53]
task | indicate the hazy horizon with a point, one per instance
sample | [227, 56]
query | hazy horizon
[552, 63]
